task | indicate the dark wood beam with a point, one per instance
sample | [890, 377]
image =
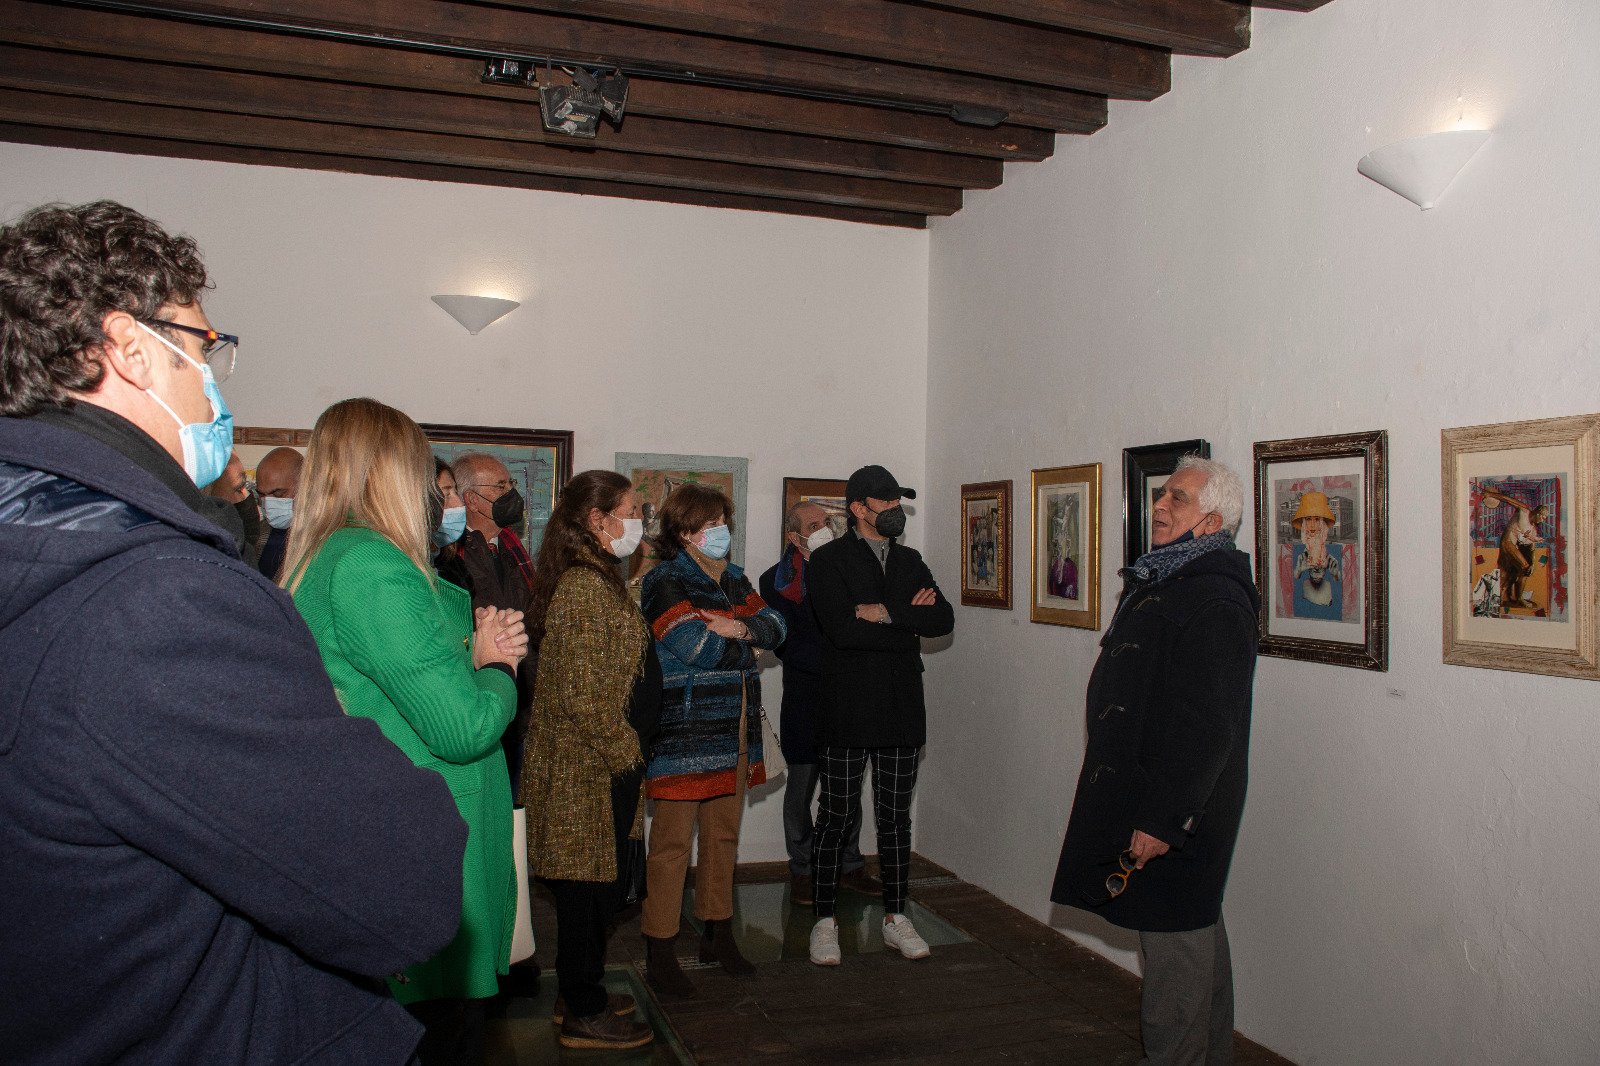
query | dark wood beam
[47, 25]
[136, 81]
[222, 153]
[179, 124]
[1192, 27]
[1291, 5]
[502, 30]
[901, 33]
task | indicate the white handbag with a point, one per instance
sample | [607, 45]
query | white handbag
[771, 750]
[522, 930]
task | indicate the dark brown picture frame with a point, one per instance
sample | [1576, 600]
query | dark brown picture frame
[996, 554]
[1371, 448]
[1139, 465]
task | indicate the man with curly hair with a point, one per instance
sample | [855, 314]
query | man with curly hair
[198, 866]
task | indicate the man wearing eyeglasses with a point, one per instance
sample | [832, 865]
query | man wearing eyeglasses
[1162, 788]
[193, 868]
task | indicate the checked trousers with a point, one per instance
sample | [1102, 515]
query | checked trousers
[894, 778]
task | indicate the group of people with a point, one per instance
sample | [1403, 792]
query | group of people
[260, 747]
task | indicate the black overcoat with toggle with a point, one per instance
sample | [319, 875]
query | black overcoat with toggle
[1168, 747]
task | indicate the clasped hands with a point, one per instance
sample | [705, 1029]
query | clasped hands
[499, 637]
[725, 627]
[877, 612]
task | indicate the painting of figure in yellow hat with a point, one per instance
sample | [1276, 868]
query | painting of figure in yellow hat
[1317, 549]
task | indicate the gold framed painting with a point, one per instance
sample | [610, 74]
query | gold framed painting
[1520, 547]
[986, 544]
[1065, 590]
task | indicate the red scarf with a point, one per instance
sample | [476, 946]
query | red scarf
[510, 543]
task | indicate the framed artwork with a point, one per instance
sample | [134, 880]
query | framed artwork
[540, 460]
[1144, 472]
[1066, 546]
[986, 544]
[1322, 548]
[655, 475]
[827, 493]
[1519, 546]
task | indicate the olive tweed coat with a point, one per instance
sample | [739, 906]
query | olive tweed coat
[579, 737]
[397, 647]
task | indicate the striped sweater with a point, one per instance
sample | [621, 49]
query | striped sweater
[705, 678]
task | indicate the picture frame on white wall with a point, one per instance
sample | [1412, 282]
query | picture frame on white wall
[1065, 590]
[655, 474]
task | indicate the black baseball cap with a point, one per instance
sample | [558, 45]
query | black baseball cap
[876, 482]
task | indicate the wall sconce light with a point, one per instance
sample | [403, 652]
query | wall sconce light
[475, 312]
[1422, 168]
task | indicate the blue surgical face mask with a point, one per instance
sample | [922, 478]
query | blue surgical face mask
[279, 511]
[451, 526]
[207, 446]
[714, 542]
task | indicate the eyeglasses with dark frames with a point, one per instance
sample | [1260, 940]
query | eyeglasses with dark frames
[220, 350]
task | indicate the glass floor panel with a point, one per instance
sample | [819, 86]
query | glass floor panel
[523, 1036]
[769, 928]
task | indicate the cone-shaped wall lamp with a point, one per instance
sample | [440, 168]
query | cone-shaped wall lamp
[475, 312]
[1422, 168]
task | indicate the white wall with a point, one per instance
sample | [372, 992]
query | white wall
[1417, 873]
[798, 343]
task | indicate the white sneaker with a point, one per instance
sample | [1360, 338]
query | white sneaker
[825, 942]
[899, 934]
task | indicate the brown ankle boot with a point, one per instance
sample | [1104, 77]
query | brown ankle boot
[661, 969]
[717, 945]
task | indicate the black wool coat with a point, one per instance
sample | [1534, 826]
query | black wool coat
[1168, 747]
[871, 682]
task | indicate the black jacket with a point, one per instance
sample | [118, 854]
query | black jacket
[801, 653]
[198, 847]
[871, 685]
[1168, 747]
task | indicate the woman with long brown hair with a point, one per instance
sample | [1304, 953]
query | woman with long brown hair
[396, 643]
[594, 707]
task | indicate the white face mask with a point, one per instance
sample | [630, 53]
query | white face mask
[632, 534]
[819, 538]
[279, 511]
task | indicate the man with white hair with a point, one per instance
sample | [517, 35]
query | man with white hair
[1162, 788]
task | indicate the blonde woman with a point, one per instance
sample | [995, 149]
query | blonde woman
[395, 641]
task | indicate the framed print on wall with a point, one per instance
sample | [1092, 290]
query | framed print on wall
[1065, 590]
[1520, 547]
[986, 544]
[826, 492]
[1322, 548]
[654, 475]
[1144, 471]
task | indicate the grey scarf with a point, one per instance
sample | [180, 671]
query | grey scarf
[1158, 564]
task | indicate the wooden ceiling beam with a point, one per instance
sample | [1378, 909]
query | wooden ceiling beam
[1191, 27]
[46, 25]
[135, 81]
[1291, 5]
[511, 32]
[902, 33]
[133, 145]
[179, 124]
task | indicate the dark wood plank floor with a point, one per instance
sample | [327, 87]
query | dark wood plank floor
[1018, 992]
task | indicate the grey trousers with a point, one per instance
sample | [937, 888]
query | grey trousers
[799, 793]
[1186, 1013]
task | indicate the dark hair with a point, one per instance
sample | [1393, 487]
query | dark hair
[62, 270]
[439, 467]
[684, 511]
[568, 542]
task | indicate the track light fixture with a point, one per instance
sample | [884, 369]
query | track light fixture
[575, 109]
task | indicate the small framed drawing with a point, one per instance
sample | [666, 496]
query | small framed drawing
[1322, 548]
[826, 492]
[655, 475]
[1144, 471]
[986, 544]
[1066, 546]
[1520, 547]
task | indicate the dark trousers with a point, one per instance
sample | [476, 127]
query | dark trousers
[584, 912]
[453, 1031]
[894, 779]
[1186, 1011]
[799, 792]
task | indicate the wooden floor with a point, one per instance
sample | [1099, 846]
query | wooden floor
[1018, 992]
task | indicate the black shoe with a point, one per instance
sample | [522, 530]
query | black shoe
[802, 893]
[604, 1030]
[717, 945]
[661, 969]
[616, 1003]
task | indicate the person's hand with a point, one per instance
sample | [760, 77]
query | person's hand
[725, 627]
[1145, 847]
[925, 598]
[872, 612]
[500, 637]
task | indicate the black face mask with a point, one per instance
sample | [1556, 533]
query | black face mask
[507, 509]
[890, 522]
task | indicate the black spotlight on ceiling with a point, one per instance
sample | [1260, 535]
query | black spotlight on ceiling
[575, 109]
